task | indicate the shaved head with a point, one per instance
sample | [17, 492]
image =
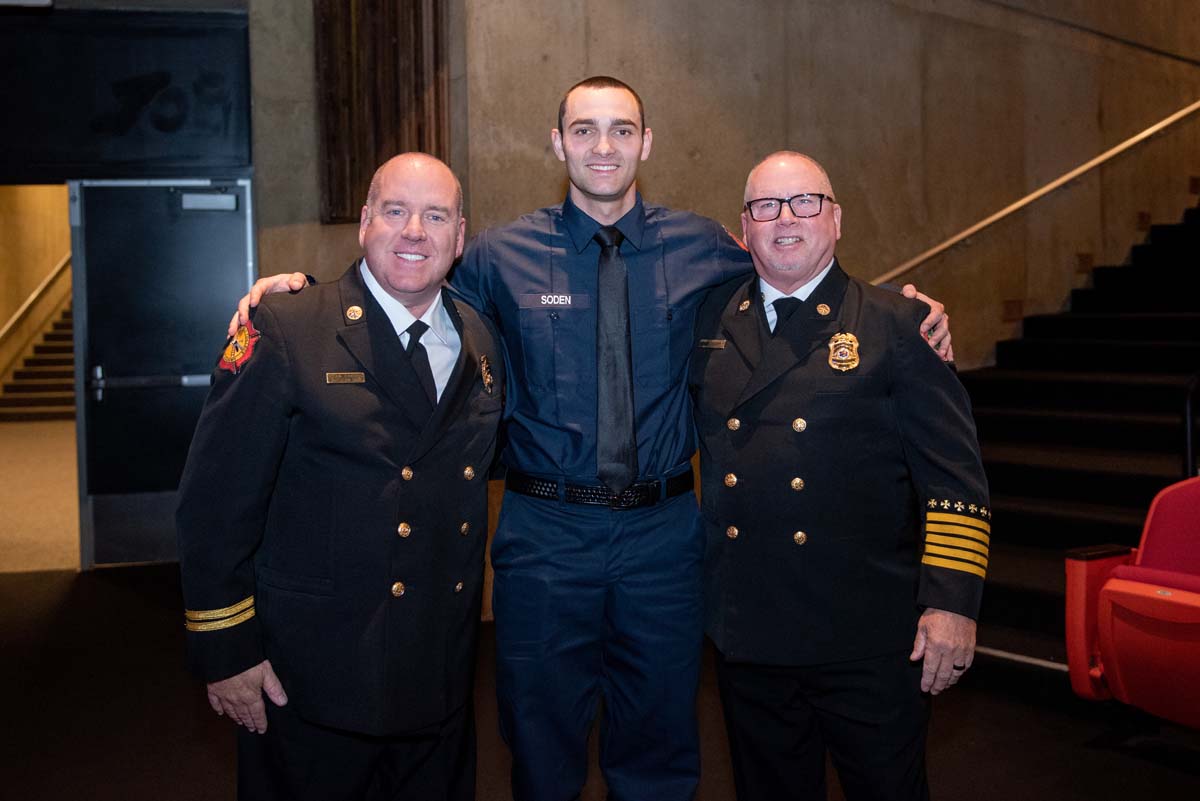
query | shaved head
[782, 156]
[422, 160]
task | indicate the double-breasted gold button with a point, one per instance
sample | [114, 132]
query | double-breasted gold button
[823, 309]
[404, 529]
[797, 484]
[464, 529]
[799, 538]
[398, 589]
[733, 424]
[406, 473]
[458, 587]
[731, 532]
[468, 472]
[730, 480]
[799, 424]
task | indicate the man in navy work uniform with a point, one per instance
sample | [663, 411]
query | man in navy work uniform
[844, 505]
[598, 551]
[333, 516]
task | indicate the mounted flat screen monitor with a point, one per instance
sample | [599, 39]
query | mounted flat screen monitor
[103, 94]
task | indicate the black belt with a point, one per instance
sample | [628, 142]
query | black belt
[638, 494]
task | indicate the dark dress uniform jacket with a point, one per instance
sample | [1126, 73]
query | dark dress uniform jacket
[332, 521]
[837, 504]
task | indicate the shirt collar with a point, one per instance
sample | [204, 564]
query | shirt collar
[436, 316]
[582, 228]
[770, 294]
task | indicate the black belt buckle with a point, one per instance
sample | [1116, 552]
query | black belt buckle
[636, 495]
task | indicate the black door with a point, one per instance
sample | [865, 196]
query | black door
[157, 267]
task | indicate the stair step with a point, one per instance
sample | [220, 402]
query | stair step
[58, 336]
[1071, 390]
[49, 361]
[62, 325]
[1152, 356]
[1146, 279]
[1177, 326]
[1056, 523]
[37, 399]
[1174, 256]
[33, 385]
[35, 415]
[1159, 432]
[1080, 474]
[1025, 588]
[39, 373]
[48, 350]
[1150, 298]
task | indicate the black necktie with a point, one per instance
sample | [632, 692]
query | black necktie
[420, 360]
[784, 308]
[616, 447]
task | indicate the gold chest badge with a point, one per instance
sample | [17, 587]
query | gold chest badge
[239, 349]
[843, 352]
[485, 367]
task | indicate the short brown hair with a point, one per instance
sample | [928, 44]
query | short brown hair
[600, 82]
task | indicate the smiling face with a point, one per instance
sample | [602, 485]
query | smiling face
[601, 143]
[790, 251]
[411, 229]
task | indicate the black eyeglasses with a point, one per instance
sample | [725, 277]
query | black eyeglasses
[766, 209]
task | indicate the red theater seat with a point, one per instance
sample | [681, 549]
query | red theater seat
[1133, 615]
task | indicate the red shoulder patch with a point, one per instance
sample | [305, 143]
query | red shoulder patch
[239, 349]
[740, 243]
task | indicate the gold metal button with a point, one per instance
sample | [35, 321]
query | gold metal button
[799, 424]
[799, 538]
[406, 473]
[354, 313]
[404, 529]
[823, 309]
[730, 480]
[733, 424]
[464, 529]
[398, 589]
[458, 587]
[797, 484]
[731, 532]
[468, 472]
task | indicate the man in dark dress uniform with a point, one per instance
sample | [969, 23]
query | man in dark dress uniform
[333, 516]
[844, 505]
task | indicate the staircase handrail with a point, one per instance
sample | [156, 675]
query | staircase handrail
[33, 298]
[1189, 442]
[1032, 197]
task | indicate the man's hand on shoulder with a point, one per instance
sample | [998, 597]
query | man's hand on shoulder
[241, 696]
[935, 327]
[946, 643]
[283, 282]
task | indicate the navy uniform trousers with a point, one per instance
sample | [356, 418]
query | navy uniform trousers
[591, 601]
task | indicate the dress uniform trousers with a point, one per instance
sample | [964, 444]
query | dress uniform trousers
[296, 760]
[592, 602]
[869, 714]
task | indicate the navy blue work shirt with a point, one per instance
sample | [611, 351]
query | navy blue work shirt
[536, 278]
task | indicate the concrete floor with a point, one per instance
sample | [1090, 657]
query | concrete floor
[39, 502]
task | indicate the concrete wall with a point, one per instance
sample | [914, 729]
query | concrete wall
[34, 236]
[929, 115]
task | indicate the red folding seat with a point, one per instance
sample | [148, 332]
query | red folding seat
[1133, 614]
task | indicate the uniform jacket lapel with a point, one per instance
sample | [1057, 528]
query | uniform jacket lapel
[800, 335]
[374, 343]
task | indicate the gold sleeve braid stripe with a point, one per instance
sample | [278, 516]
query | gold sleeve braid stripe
[954, 564]
[957, 542]
[957, 553]
[216, 625]
[960, 531]
[215, 619]
[962, 520]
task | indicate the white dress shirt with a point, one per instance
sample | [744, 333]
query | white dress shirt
[770, 294]
[442, 342]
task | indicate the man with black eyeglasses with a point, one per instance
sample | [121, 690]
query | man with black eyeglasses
[844, 506]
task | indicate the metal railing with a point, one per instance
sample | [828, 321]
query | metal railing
[19, 315]
[1032, 197]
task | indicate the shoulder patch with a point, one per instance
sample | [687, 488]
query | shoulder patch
[240, 348]
[740, 243]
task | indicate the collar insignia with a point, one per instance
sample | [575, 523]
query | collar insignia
[485, 367]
